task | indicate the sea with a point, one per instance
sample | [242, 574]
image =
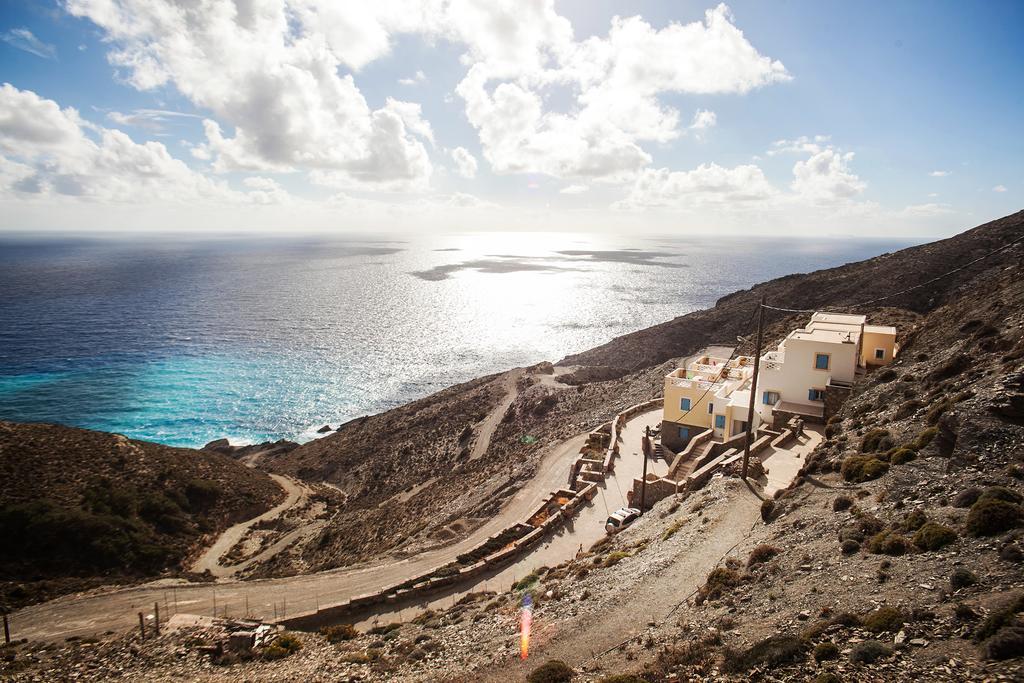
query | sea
[186, 339]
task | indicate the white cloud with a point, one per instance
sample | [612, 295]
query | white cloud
[826, 176]
[703, 119]
[575, 189]
[420, 77]
[265, 190]
[999, 188]
[940, 174]
[926, 210]
[802, 145]
[270, 71]
[26, 41]
[706, 184]
[933, 194]
[148, 119]
[618, 80]
[465, 162]
[50, 152]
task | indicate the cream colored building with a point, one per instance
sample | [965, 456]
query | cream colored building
[819, 362]
[811, 372]
[709, 393]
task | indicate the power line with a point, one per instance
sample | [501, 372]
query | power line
[908, 289]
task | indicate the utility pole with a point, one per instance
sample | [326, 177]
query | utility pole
[753, 386]
[645, 446]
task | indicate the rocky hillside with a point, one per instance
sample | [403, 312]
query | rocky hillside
[79, 507]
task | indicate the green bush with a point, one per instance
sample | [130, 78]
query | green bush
[914, 520]
[1006, 643]
[925, 438]
[825, 651]
[876, 440]
[889, 543]
[883, 619]
[907, 408]
[767, 653]
[552, 671]
[719, 582]
[842, 503]
[846, 619]
[1001, 493]
[861, 468]
[990, 516]
[761, 554]
[869, 652]
[934, 536]
[283, 646]
[902, 456]
[849, 546]
[336, 634]
[615, 557]
[384, 629]
[1000, 616]
[962, 578]
[967, 497]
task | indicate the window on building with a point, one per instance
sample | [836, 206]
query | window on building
[816, 395]
[719, 421]
[684, 404]
[684, 432]
[711, 408]
[770, 398]
[821, 361]
[879, 354]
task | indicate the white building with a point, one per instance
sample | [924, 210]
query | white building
[820, 361]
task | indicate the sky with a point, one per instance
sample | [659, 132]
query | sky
[824, 117]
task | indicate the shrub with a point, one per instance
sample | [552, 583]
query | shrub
[889, 543]
[876, 440]
[719, 582]
[915, 520]
[526, 582]
[991, 516]
[767, 653]
[869, 652]
[1000, 616]
[1006, 643]
[384, 629]
[762, 553]
[849, 546]
[886, 375]
[827, 677]
[907, 408]
[552, 671]
[951, 368]
[967, 497]
[937, 410]
[283, 646]
[846, 619]
[842, 503]
[934, 536]
[902, 456]
[825, 651]
[622, 678]
[861, 468]
[924, 438]
[336, 634]
[1001, 493]
[615, 557]
[883, 619]
[962, 578]
[768, 510]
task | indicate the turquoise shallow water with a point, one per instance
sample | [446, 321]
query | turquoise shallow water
[185, 341]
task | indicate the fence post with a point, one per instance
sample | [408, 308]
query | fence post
[142, 627]
[7, 631]
[156, 617]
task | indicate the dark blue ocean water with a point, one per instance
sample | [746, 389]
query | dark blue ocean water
[184, 340]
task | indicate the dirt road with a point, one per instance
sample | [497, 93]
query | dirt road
[210, 560]
[116, 608]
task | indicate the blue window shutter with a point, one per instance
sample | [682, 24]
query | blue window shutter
[810, 394]
[719, 421]
[821, 361]
[684, 404]
[764, 398]
[684, 433]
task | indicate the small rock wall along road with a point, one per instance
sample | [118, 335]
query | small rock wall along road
[117, 608]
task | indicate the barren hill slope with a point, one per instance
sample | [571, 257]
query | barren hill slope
[78, 507]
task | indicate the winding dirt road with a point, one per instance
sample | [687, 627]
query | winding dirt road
[210, 560]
